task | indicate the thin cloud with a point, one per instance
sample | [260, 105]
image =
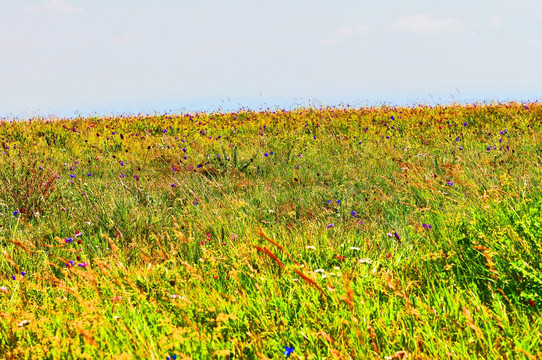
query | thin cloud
[126, 38]
[347, 31]
[16, 43]
[58, 6]
[423, 23]
[495, 22]
[339, 35]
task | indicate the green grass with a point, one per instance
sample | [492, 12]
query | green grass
[401, 233]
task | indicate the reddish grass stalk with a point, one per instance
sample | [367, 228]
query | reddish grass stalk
[277, 245]
[271, 255]
[311, 282]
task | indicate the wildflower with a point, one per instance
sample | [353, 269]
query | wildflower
[136, 177]
[173, 185]
[73, 176]
[354, 214]
[329, 226]
[121, 163]
[310, 247]
[340, 257]
[531, 302]
[388, 256]
[13, 277]
[89, 174]
[16, 213]
[82, 264]
[266, 154]
[461, 148]
[68, 240]
[70, 263]
[396, 235]
[426, 226]
[288, 351]
[23, 273]
[365, 261]
[338, 202]
[319, 270]
[78, 233]
[3, 289]
[354, 248]
[449, 183]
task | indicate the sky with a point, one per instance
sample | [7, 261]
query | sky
[68, 58]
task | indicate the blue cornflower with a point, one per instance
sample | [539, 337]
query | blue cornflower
[288, 350]
[457, 138]
[266, 154]
[23, 273]
[16, 213]
[353, 213]
[338, 202]
[121, 163]
[449, 183]
[13, 277]
[89, 174]
[427, 226]
[68, 240]
[329, 226]
[73, 176]
[122, 175]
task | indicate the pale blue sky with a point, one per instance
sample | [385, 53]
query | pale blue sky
[63, 57]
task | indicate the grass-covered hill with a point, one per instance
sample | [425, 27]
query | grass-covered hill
[372, 233]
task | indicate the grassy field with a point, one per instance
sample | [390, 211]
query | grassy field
[373, 233]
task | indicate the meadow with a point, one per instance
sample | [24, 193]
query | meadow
[331, 233]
